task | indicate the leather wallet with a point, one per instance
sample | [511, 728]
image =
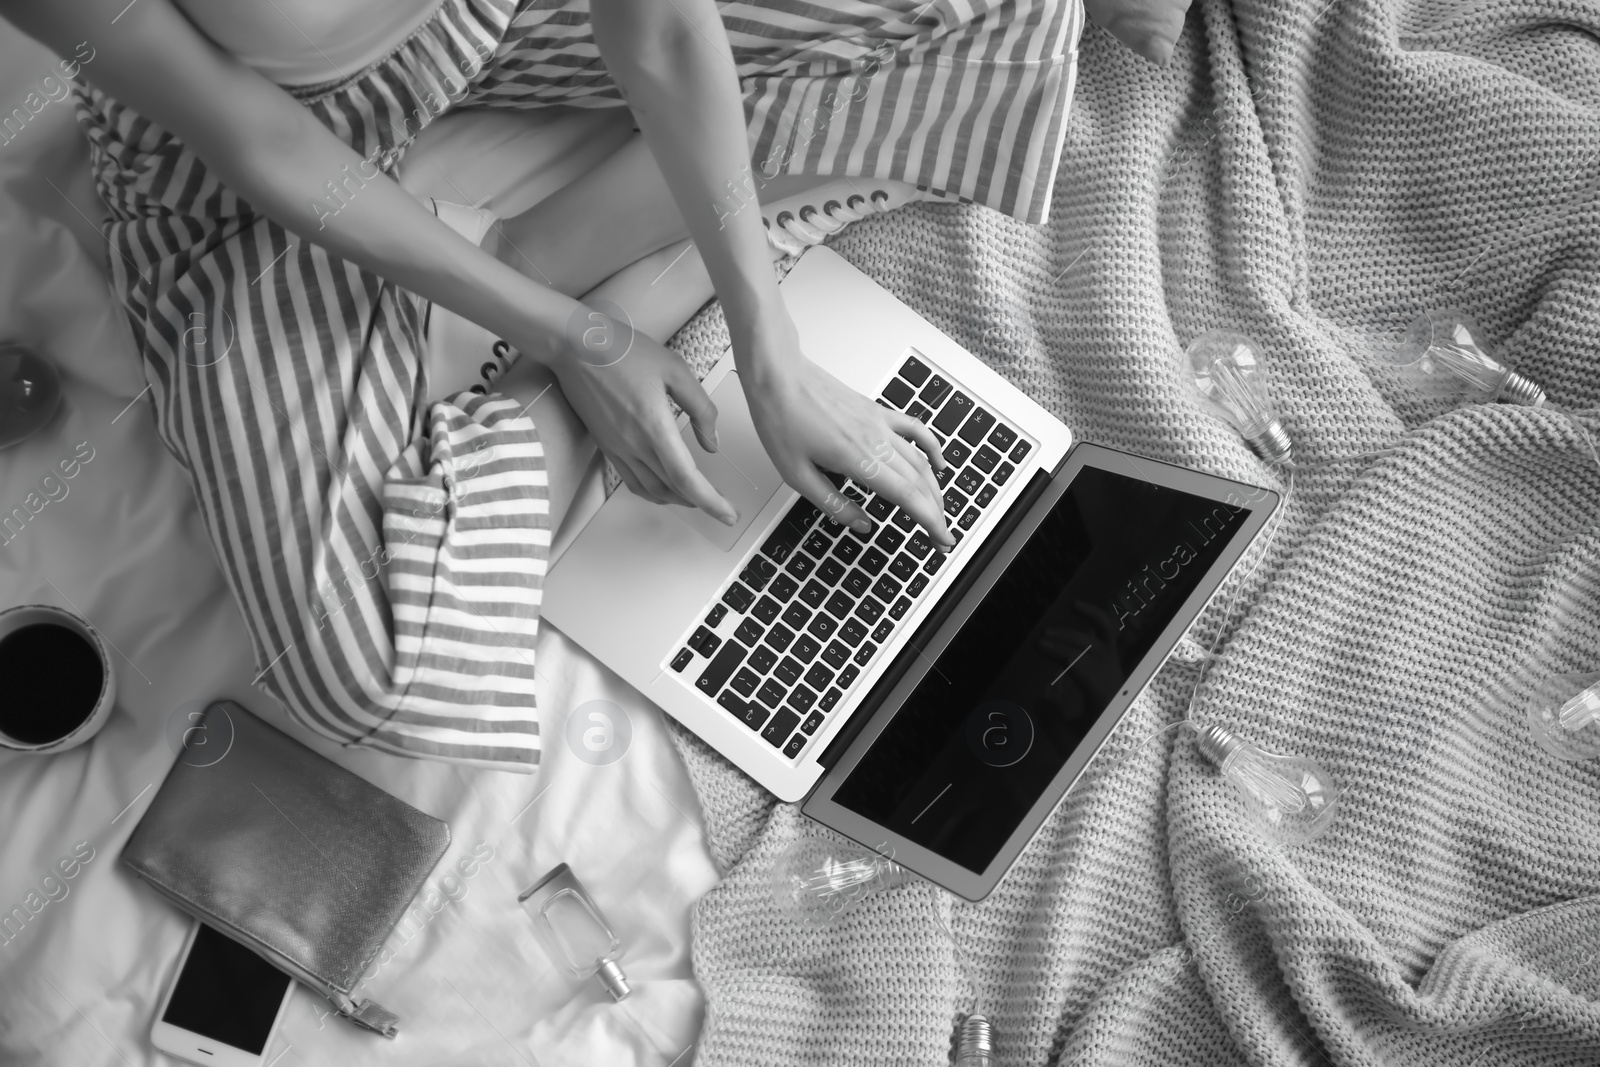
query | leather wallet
[291, 855]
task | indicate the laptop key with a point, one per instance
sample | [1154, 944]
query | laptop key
[872, 528]
[749, 712]
[783, 588]
[1002, 473]
[704, 641]
[814, 593]
[795, 745]
[779, 729]
[898, 393]
[829, 699]
[901, 606]
[681, 660]
[836, 655]
[805, 648]
[846, 549]
[780, 636]
[831, 571]
[745, 681]
[886, 589]
[831, 527]
[782, 542]
[753, 578]
[883, 630]
[716, 615]
[889, 539]
[762, 658]
[969, 481]
[787, 671]
[801, 699]
[873, 561]
[919, 545]
[902, 520]
[856, 581]
[914, 370]
[951, 415]
[933, 394]
[869, 610]
[853, 632]
[918, 584]
[819, 676]
[839, 605]
[968, 517]
[1003, 436]
[770, 693]
[854, 492]
[932, 566]
[985, 495]
[738, 598]
[976, 427]
[985, 459]
[799, 565]
[848, 675]
[766, 609]
[817, 544]
[954, 501]
[879, 508]
[956, 453]
[822, 626]
[1020, 452]
[795, 616]
[723, 664]
[749, 631]
[813, 721]
[864, 653]
[919, 412]
[903, 567]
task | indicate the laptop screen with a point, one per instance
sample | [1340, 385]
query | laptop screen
[1017, 688]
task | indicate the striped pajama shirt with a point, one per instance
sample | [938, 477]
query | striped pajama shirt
[387, 555]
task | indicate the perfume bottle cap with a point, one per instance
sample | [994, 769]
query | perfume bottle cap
[613, 979]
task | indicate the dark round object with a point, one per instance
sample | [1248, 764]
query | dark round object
[53, 679]
[30, 393]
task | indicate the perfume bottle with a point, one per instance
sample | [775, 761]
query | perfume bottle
[572, 931]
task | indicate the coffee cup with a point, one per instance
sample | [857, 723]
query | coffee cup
[57, 685]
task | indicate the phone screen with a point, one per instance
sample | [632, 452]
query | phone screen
[227, 993]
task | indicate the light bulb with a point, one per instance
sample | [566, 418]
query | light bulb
[1444, 353]
[975, 1042]
[1291, 799]
[1564, 716]
[817, 880]
[1223, 372]
[571, 930]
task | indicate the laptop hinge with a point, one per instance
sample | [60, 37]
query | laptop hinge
[869, 706]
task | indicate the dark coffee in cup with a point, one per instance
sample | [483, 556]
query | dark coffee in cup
[51, 679]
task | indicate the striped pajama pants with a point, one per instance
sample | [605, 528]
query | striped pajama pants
[388, 555]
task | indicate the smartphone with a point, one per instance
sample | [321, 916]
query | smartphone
[224, 1005]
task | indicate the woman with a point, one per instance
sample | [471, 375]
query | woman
[384, 531]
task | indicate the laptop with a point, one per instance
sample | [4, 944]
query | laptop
[934, 707]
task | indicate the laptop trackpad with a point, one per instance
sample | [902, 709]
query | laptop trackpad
[740, 470]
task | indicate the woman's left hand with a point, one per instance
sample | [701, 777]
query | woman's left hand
[811, 422]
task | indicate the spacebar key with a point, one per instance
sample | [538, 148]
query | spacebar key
[720, 668]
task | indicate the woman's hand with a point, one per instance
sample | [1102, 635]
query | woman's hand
[622, 399]
[811, 422]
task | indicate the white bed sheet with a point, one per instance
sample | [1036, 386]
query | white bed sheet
[125, 548]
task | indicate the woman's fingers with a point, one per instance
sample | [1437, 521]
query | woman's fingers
[817, 489]
[673, 465]
[917, 431]
[895, 480]
[633, 481]
[692, 397]
[917, 461]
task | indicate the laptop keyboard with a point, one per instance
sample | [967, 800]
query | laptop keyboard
[812, 606]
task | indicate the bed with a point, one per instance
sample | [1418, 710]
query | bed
[1313, 173]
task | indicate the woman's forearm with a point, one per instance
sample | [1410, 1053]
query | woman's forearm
[676, 69]
[366, 218]
[267, 148]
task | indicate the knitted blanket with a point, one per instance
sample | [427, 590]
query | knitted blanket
[1315, 173]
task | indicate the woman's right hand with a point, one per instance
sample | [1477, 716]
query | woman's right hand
[619, 381]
